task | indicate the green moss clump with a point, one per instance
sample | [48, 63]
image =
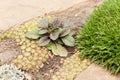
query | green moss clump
[99, 40]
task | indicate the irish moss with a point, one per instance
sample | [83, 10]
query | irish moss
[99, 39]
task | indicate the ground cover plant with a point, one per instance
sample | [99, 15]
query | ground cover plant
[10, 72]
[53, 33]
[99, 39]
[36, 61]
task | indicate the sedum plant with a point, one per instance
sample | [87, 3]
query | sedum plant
[53, 33]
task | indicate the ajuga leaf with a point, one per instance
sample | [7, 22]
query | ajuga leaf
[59, 50]
[34, 34]
[57, 23]
[64, 32]
[59, 41]
[43, 31]
[44, 41]
[51, 46]
[68, 40]
[55, 34]
[44, 23]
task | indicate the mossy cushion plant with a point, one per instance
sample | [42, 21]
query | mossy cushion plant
[10, 72]
[99, 39]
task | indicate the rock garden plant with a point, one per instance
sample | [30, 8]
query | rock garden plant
[99, 39]
[35, 59]
[53, 33]
[30, 42]
[10, 72]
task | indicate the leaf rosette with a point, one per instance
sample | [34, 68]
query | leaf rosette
[55, 31]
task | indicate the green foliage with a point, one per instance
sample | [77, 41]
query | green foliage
[99, 40]
[57, 49]
[68, 40]
[53, 31]
[33, 34]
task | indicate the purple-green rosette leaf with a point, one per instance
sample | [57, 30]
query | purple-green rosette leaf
[57, 23]
[44, 41]
[64, 32]
[68, 40]
[34, 34]
[44, 23]
[55, 34]
[43, 31]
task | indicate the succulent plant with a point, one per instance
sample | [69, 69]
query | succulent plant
[53, 33]
[31, 56]
[72, 66]
[10, 72]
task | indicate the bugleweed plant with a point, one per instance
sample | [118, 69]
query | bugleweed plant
[53, 33]
[99, 39]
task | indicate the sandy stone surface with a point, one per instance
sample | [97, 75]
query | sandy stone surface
[13, 12]
[95, 72]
